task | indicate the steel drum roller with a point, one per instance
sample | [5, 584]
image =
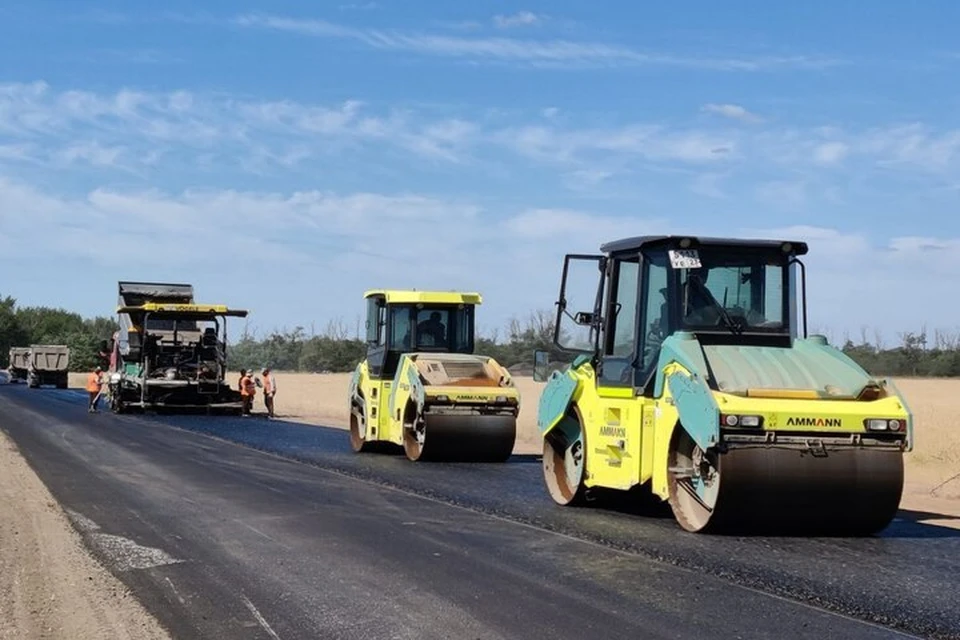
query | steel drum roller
[465, 438]
[846, 491]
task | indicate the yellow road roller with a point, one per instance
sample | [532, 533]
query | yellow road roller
[422, 387]
[688, 374]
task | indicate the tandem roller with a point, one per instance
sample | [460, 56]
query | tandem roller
[423, 389]
[690, 373]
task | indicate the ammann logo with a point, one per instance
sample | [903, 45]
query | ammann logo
[613, 432]
[814, 422]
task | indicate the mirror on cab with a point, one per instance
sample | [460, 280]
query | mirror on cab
[584, 318]
[541, 362]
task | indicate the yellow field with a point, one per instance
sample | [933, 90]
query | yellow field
[933, 468]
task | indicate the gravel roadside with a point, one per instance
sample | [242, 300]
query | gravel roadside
[50, 587]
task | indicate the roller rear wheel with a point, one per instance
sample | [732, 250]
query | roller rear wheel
[565, 462]
[358, 430]
[693, 482]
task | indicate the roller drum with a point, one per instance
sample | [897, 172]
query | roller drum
[782, 490]
[848, 491]
[465, 438]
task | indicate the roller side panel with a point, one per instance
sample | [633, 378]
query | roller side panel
[697, 407]
[555, 400]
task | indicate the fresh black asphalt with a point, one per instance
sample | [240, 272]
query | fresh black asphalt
[291, 535]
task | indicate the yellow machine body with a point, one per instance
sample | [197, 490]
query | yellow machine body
[736, 420]
[422, 387]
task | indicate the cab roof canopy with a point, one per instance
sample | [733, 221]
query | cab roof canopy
[413, 296]
[790, 247]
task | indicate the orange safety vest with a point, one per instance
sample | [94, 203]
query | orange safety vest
[267, 384]
[247, 387]
[93, 383]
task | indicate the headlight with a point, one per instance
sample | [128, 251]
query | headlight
[884, 424]
[730, 420]
[114, 378]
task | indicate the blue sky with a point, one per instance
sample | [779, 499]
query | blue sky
[285, 156]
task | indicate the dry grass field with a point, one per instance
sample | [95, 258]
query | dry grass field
[933, 468]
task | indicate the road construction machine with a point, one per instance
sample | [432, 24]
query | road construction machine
[170, 352]
[19, 364]
[422, 386]
[48, 364]
[690, 382]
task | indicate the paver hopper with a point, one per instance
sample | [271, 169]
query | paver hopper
[690, 378]
[422, 386]
[170, 352]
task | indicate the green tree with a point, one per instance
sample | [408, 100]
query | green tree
[12, 331]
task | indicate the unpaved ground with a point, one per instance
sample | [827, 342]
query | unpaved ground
[50, 587]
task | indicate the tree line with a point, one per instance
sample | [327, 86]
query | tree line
[23, 326]
[339, 347]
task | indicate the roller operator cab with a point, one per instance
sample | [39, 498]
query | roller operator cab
[422, 386]
[690, 378]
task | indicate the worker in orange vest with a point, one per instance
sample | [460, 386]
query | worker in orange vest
[94, 385]
[248, 389]
[269, 390]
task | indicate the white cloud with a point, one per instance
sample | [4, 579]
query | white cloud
[91, 152]
[830, 153]
[647, 141]
[305, 256]
[519, 19]
[584, 179]
[732, 111]
[133, 126]
[517, 50]
[914, 144]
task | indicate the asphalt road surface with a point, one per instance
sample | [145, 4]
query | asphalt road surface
[248, 528]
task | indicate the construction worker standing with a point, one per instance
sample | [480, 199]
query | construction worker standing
[94, 385]
[269, 389]
[248, 389]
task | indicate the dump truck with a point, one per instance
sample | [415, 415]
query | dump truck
[422, 386]
[170, 352]
[689, 381]
[19, 364]
[48, 364]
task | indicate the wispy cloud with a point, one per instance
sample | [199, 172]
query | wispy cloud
[519, 19]
[830, 153]
[732, 111]
[142, 131]
[647, 141]
[564, 52]
[324, 236]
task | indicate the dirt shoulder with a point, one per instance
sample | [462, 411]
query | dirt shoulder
[50, 587]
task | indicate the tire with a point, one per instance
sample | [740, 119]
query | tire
[358, 430]
[565, 484]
